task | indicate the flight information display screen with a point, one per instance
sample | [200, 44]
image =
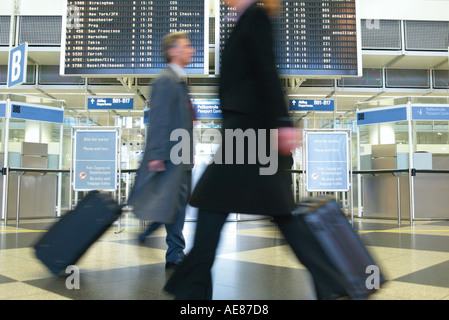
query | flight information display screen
[124, 37]
[311, 37]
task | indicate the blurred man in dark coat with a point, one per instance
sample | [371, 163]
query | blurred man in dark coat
[252, 101]
[165, 183]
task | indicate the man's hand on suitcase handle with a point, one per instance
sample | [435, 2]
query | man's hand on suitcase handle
[156, 165]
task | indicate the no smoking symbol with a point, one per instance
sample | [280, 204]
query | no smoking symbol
[82, 175]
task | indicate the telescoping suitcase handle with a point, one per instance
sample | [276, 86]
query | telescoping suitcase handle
[311, 205]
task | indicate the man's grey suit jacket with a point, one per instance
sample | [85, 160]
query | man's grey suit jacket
[155, 196]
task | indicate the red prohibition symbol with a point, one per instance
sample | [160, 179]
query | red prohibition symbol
[82, 175]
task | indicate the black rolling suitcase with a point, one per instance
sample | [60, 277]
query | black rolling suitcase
[360, 276]
[69, 238]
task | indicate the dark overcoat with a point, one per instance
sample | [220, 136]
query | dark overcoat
[251, 97]
[155, 196]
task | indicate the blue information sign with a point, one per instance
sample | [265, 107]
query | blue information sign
[17, 65]
[96, 103]
[95, 160]
[430, 113]
[311, 105]
[2, 109]
[23, 111]
[327, 163]
[381, 115]
[207, 108]
[146, 116]
[399, 113]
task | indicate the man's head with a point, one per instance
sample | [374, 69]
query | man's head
[177, 48]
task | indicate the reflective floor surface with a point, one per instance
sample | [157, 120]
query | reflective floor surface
[253, 263]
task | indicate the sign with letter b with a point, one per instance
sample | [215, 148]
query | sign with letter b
[17, 66]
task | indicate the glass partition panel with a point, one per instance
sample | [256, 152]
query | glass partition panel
[32, 99]
[432, 138]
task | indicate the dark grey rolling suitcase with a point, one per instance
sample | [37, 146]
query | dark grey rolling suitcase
[69, 238]
[360, 275]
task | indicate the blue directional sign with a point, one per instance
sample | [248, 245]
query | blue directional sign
[432, 113]
[146, 116]
[24, 111]
[95, 160]
[381, 115]
[2, 109]
[99, 103]
[312, 105]
[327, 163]
[17, 65]
[207, 108]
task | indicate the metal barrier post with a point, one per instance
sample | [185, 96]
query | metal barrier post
[19, 179]
[5, 193]
[5, 162]
[411, 162]
[399, 198]
[59, 196]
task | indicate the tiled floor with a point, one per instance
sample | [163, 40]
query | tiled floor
[253, 262]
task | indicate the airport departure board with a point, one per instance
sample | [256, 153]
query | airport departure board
[124, 37]
[311, 37]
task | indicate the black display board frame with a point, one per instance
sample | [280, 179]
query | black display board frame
[93, 43]
[301, 53]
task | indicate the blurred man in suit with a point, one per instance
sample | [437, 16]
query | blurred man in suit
[168, 189]
[251, 98]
